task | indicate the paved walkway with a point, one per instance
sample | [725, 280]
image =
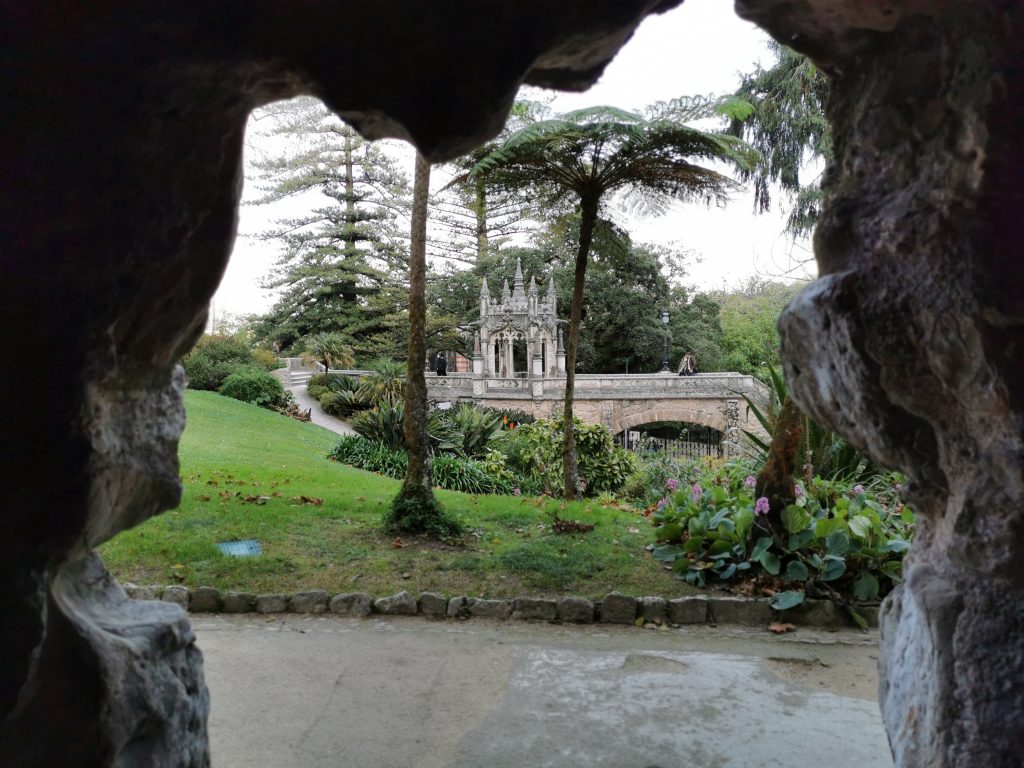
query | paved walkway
[317, 692]
[317, 414]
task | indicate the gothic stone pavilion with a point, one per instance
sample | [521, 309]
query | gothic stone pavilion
[520, 316]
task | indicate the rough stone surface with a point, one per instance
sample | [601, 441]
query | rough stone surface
[239, 602]
[617, 608]
[137, 592]
[746, 611]
[155, 652]
[127, 156]
[652, 609]
[816, 613]
[458, 607]
[125, 133]
[433, 605]
[271, 603]
[402, 604]
[527, 608]
[314, 601]
[205, 600]
[575, 610]
[177, 595]
[910, 344]
[688, 610]
[490, 609]
[351, 604]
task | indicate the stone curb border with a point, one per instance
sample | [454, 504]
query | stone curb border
[615, 608]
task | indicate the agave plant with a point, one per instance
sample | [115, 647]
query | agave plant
[822, 451]
[476, 426]
[386, 385]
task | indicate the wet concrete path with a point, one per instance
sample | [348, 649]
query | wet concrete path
[317, 414]
[408, 693]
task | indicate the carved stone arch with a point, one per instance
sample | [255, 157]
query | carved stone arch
[708, 415]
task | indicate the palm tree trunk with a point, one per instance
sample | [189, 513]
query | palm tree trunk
[418, 486]
[588, 218]
[775, 480]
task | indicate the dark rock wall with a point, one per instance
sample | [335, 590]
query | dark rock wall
[119, 181]
[912, 342]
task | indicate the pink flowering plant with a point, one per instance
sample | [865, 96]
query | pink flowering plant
[836, 538]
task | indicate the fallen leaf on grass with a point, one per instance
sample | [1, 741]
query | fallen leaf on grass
[632, 530]
[398, 544]
[255, 499]
[780, 628]
[204, 498]
[309, 500]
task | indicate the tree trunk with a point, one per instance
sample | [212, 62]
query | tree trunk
[775, 479]
[418, 488]
[349, 289]
[481, 220]
[588, 217]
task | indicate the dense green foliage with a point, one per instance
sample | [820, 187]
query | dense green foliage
[780, 111]
[455, 473]
[214, 358]
[533, 453]
[748, 316]
[836, 538]
[343, 267]
[252, 385]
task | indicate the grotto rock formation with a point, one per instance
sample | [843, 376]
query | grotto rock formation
[122, 140]
[911, 344]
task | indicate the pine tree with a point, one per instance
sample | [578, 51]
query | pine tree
[343, 266]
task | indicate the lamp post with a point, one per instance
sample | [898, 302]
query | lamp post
[664, 321]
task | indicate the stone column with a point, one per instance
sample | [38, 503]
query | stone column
[911, 344]
[478, 357]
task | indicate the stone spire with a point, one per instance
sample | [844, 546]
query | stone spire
[531, 296]
[518, 295]
[551, 295]
[485, 298]
[506, 294]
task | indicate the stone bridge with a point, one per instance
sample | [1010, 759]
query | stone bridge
[618, 401]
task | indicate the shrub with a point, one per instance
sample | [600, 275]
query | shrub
[476, 427]
[466, 475]
[372, 456]
[255, 386]
[382, 424]
[534, 452]
[341, 404]
[511, 418]
[266, 359]
[450, 472]
[213, 359]
[837, 537]
[321, 383]
[385, 385]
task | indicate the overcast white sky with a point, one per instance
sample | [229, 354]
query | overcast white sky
[699, 48]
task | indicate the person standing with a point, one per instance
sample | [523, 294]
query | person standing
[684, 364]
[442, 365]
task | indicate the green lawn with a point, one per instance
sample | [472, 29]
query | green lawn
[249, 473]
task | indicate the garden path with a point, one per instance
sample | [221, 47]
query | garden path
[317, 414]
[409, 693]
